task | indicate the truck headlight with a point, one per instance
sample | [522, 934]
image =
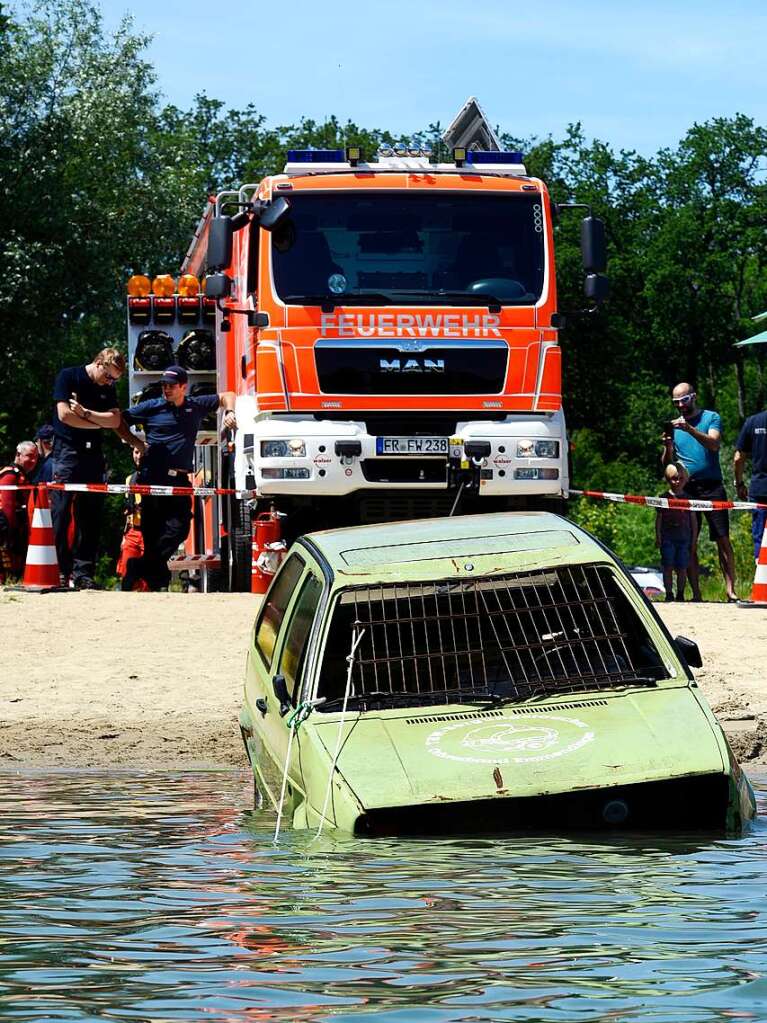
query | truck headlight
[537, 449]
[547, 449]
[294, 448]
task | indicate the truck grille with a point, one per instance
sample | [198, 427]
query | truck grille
[381, 368]
[404, 470]
[397, 507]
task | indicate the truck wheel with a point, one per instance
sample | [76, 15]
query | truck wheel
[239, 547]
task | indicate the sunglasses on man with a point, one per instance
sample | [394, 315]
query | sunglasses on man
[685, 400]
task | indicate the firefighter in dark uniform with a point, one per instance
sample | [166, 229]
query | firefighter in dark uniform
[170, 426]
[84, 404]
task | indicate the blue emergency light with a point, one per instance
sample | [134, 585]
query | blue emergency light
[478, 156]
[316, 156]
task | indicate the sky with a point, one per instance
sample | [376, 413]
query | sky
[635, 75]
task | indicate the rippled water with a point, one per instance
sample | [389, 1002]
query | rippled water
[160, 897]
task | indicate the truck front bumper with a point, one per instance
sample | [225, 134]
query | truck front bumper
[495, 458]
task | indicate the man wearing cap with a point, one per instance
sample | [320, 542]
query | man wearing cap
[44, 441]
[170, 424]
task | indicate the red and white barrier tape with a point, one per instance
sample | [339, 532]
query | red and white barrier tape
[155, 490]
[147, 489]
[680, 503]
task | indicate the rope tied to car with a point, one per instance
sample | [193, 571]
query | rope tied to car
[300, 714]
[356, 640]
[294, 722]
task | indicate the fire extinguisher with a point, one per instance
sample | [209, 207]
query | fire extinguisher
[268, 549]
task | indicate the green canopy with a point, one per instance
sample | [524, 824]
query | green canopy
[757, 339]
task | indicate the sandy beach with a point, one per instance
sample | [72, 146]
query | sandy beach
[97, 679]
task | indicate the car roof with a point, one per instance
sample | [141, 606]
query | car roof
[504, 541]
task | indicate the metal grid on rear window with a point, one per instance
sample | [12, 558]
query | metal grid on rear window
[561, 630]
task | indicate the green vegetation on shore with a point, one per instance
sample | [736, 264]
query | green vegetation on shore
[101, 179]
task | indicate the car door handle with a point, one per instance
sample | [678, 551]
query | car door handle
[261, 705]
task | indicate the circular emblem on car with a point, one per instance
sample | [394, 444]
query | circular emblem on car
[526, 739]
[337, 283]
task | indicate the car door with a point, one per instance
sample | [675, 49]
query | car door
[280, 643]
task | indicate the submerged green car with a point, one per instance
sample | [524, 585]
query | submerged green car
[472, 674]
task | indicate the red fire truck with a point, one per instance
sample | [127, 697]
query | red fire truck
[390, 328]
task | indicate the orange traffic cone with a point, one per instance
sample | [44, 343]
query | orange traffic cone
[759, 589]
[42, 569]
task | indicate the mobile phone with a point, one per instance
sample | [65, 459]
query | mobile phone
[668, 428]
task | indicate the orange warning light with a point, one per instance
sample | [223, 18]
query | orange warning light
[164, 286]
[138, 286]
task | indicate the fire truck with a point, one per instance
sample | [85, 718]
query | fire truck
[390, 328]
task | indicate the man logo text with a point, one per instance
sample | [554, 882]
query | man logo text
[412, 365]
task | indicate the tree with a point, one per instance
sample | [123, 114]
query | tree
[80, 178]
[706, 261]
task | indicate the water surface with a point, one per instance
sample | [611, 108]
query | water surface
[162, 897]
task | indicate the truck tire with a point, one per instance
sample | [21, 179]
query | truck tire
[239, 547]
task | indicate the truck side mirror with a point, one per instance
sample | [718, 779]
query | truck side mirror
[218, 285]
[593, 245]
[273, 213]
[596, 288]
[689, 651]
[220, 238]
[280, 687]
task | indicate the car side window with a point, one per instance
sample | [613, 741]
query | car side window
[299, 629]
[275, 605]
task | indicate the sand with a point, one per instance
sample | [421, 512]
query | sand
[133, 680]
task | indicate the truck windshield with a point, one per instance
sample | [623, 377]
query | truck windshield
[377, 249]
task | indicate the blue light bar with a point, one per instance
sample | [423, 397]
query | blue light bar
[316, 156]
[478, 156]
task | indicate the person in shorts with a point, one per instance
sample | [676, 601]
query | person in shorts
[752, 441]
[695, 443]
[675, 529]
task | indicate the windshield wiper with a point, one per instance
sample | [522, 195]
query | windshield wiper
[390, 297]
[348, 298]
[459, 297]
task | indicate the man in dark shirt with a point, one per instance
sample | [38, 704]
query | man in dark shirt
[170, 425]
[84, 404]
[752, 441]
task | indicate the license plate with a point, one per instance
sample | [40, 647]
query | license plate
[411, 446]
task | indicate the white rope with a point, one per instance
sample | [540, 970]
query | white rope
[284, 785]
[350, 660]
